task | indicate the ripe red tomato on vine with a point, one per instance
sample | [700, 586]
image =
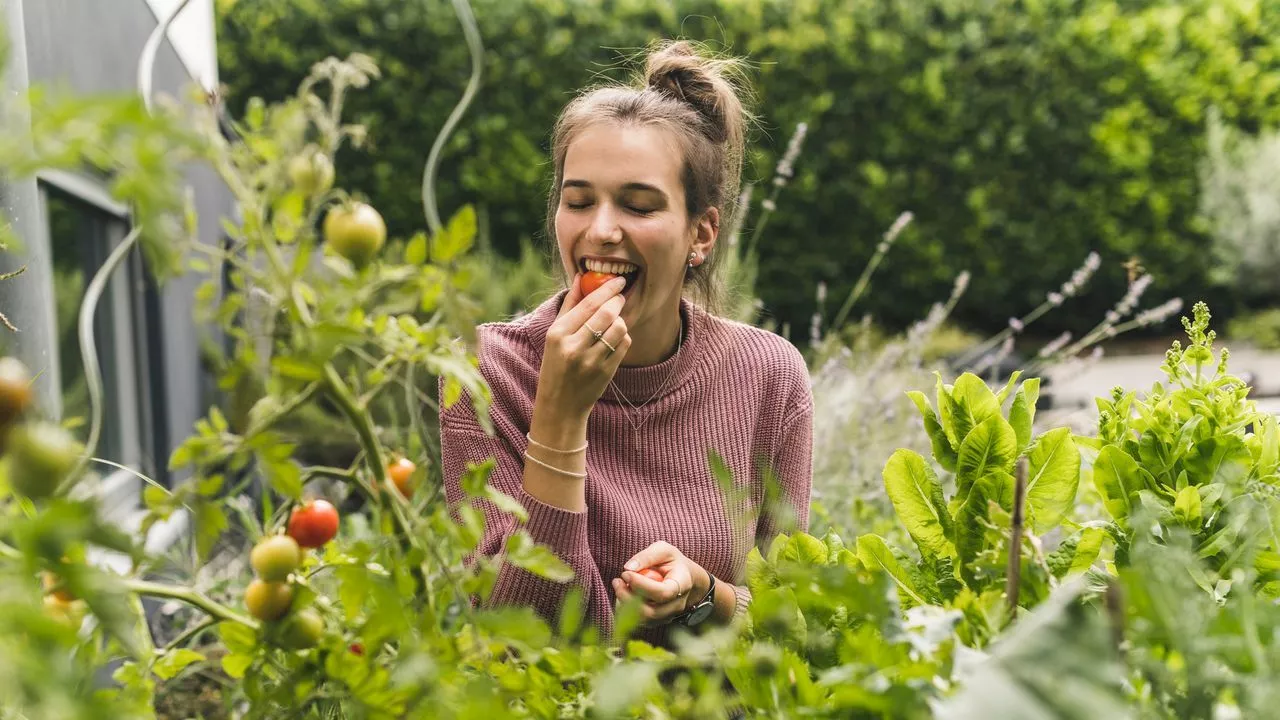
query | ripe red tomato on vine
[314, 524]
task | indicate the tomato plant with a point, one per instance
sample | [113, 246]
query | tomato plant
[275, 558]
[314, 523]
[355, 231]
[268, 600]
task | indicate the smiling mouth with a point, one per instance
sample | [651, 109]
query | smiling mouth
[628, 271]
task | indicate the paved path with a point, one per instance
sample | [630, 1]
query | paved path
[1139, 372]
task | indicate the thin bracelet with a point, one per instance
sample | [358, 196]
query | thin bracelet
[580, 476]
[535, 443]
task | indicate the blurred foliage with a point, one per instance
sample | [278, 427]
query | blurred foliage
[1259, 329]
[1014, 130]
[1241, 199]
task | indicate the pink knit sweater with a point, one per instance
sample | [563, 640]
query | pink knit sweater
[737, 390]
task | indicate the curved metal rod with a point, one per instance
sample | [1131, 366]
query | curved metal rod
[147, 61]
[89, 349]
[93, 293]
[472, 33]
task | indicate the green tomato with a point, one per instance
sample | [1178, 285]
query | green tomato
[41, 455]
[356, 232]
[274, 558]
[312, 173]
[268, 600]
[302, 630]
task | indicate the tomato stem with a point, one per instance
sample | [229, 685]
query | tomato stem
[190, 597]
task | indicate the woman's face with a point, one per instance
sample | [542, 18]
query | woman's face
[622, 204]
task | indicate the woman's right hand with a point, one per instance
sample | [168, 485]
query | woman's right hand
[576, 365]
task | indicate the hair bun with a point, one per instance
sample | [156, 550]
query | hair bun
[677, 70]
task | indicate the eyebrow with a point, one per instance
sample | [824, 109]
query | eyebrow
[628, 187]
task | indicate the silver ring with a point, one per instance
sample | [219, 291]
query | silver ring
[612, 349]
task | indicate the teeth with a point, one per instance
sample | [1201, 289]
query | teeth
[613, 268]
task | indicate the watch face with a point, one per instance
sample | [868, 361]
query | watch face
[700, 613]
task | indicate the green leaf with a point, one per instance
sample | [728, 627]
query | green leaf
[806, 550]
[506, 503]
[236, 664]
[172, 662]
[285, 477]
[238, 638]
[456, 238]
[1186, 507]
[1053, 479]
[970, 531]
[415, 252]
[210, 523]
[975, 399]
[917, 497]
[1222, 459]
[943, 451]
[297, 368]
[1118, 480]
[1008, 387]
[875, 555]
[522, 552]
[1057, 662]
[991, 445]
[1023, 412]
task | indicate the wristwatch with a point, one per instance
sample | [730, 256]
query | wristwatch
[701, 611]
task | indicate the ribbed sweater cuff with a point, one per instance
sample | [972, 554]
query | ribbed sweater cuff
[562, 530]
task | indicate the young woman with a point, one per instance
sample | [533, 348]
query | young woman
[609, 399]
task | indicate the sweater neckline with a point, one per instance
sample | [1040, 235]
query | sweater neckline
[637, 384]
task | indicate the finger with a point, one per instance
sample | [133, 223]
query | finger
[653, 591]
[573, 297]
[657, 554]
[608, 321]
[574, 317]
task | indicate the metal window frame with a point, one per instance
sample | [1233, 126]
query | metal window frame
[120, 491]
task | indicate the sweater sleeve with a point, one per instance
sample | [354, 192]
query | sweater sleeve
[463, 441]
[792, 464]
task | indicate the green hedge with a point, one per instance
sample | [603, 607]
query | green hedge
[1022, 134]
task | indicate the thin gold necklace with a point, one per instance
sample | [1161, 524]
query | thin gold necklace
[644, 416]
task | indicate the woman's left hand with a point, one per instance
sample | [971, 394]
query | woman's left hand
[684, 582]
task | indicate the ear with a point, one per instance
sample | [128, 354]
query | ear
[705, 232]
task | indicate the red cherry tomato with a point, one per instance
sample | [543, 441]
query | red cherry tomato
[592, 280]
[653, 574]
[401, 473]
[314, 523]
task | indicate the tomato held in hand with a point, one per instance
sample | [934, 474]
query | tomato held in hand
[41, 455]
[401, 473]
[302, 630]
[592, 280]
[653, 574]
[356, 232]
[314, 523]
[274, 558]
[268, 601]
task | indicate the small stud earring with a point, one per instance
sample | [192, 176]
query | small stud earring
[692, 257]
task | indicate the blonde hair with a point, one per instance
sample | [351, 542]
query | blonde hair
[697, 100]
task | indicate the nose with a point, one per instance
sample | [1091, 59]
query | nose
[605, 227]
